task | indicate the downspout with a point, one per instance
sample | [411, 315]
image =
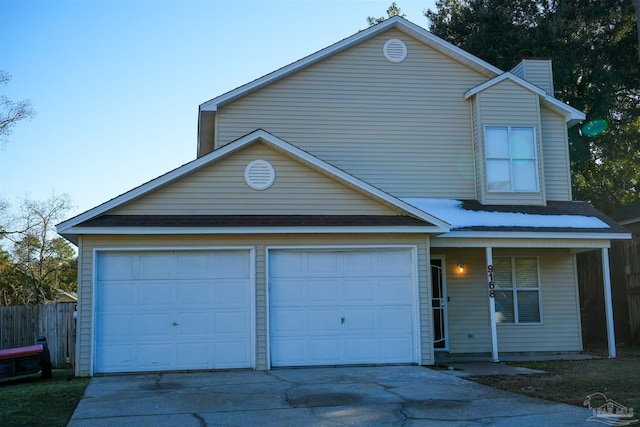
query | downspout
[608, 305]
[492, 306]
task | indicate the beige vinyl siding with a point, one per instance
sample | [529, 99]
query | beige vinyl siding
[404, 127]
[260, 243]
[538, 72]
[220, 189]
[468, 306]
[560, 330]
[555, 148]
[509, 104]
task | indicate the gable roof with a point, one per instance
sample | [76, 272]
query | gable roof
[396, 22]
[572, 115]
[66, 228]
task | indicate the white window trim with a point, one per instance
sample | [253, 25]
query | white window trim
[510, 159]
[514, 292]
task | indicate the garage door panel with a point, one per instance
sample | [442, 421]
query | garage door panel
[358, 321]
[361, 350]
[115, 267]
[393, 263]
[360, 264]
[191, 325]
[230, 265]
[288, 321]
[394, 291]
[155, 265]
[322, 291]
[324, 321]
[394, 320]
[288, 292]
[232, 322]
[155, 325]
[291, 264]
[155, 294]
[121, 294]
[323, 264]
[288, 351]
[339, 309]
[395, 349]
[120, 326]
[233, 354]
[178, 321]
[231, 292]
[191, 294]
[359, 291]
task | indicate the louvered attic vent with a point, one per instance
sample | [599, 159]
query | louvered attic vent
[395, 50]
[259, 175]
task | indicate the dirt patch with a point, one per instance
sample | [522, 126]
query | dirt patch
[571, 381]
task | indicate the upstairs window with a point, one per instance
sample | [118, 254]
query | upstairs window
[512, 163]
[517, 290]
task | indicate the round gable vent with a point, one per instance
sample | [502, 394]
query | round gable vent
[259, 175]
[395, 50]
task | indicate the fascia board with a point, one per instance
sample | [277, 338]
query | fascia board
[398, 23]
[427, 229]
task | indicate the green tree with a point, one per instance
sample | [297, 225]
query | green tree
[11, 112]
[591, 43]
[392, 10]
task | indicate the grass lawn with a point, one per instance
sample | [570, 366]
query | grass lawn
[36, 402]
[571, 381]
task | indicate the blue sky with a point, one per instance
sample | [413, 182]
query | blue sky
[117, 84]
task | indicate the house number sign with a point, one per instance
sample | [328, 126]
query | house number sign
[492, 284]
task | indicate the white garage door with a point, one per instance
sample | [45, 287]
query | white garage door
[173, 310]
[342, 307]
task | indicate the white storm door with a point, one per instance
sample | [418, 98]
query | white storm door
[173, 310]
[337, 307]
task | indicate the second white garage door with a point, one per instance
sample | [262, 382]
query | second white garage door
[173, 310]
[338, 307]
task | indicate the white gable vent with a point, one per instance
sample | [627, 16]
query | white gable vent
[395, 50]
[259, 175]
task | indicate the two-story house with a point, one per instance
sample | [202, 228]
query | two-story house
[386, 198]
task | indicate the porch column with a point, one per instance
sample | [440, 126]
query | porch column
[608, 305]
[492, 306]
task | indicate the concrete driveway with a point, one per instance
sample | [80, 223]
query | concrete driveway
[368, 396]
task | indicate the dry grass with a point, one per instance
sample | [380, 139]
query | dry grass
[571, 381]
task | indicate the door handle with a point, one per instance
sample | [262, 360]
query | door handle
[174, 324]
[342, 320]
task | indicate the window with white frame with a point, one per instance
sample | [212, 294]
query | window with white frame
[512, 162]
[517, 292]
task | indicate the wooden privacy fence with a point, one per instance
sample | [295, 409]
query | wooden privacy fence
[19, 323]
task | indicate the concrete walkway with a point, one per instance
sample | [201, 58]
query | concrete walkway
[369, 396]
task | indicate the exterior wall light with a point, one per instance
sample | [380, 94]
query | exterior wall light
[460, 268]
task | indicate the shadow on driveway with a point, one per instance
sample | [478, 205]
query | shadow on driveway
[346, 396]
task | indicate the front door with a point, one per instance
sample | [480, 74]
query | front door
[439, 304]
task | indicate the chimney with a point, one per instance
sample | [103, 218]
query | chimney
[536, 71]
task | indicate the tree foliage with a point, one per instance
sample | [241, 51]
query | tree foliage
[392, 10]
[39, 262]
[11, 112]
[593, 44]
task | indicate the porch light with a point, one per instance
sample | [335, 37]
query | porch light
[460, 268]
